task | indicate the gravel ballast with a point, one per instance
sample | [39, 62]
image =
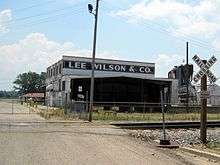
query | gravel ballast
[183, 137]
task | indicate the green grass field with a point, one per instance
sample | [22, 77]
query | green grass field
[152, 116]
[113, 116]
[214, 146]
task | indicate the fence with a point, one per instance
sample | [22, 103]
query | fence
[16, 106]
[137, 111]
[77, 109]
[150, 111]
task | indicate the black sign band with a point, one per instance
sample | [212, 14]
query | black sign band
[109, 67]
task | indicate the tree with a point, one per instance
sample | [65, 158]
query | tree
[30, 82]
[8, 94]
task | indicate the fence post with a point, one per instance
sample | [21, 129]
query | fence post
[12, 107]
[65, 106]
[87, 98]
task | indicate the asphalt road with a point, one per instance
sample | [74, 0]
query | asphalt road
[80, 144]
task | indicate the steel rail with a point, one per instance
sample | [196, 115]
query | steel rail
[176, 125]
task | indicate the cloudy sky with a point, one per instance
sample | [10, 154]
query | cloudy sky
[35, 34]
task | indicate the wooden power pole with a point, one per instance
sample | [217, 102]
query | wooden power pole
[203, 118]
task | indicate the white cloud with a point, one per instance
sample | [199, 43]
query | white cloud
[35, 52]
[165, 63]
[5, 18]
[183, 18]
[216, 44]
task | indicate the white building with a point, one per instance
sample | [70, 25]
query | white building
[115, 80]
[214, 98]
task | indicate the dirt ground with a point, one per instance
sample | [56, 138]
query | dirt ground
[28, 143]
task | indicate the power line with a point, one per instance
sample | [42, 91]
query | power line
[41, 14]
[34, 6]
[184, 38]
[47, 19]
[163, 29]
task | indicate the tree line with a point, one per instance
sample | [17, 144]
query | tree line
[8, 94]
[30, 82]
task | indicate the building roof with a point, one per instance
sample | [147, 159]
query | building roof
[69, 57]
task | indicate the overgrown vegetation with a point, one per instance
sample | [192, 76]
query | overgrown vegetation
[102, 115]
[52, 113]
[151, 116]
[214, 145]
[8, 94]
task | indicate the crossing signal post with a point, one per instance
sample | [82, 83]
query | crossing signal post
[203, 74]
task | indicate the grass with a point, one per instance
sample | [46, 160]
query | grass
[53, 113]
[113, 116]
[56, 113]
[214, 146]
[152, 116]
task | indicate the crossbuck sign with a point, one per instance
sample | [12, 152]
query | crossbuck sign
[204, 69]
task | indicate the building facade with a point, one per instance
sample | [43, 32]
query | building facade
[115, 81]
[214, 95]
[183, 74]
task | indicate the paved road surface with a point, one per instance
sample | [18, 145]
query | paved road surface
[81, 144]
[10, 111]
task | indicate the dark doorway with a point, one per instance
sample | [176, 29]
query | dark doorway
[119, 89]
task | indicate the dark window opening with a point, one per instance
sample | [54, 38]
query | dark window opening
[66, 64]
[63, 85]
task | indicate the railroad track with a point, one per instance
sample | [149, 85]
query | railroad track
[144, 125]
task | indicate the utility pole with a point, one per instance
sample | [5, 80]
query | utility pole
[187, 79]
[203, 118]
[93, 57]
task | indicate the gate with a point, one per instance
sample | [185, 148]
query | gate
[77, 109]
[15, 106]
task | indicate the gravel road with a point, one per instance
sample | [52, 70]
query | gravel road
[16, 113]
[11, 106]
[81, 144]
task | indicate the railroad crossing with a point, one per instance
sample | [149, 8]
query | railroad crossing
[204, 68]
[202, 74]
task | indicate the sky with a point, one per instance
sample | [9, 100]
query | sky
[35, 34]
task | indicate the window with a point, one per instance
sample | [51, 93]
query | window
[57, 70]
[54, 71]
[63, 86]
[59, 84]
[80, 88]
[66, 64]
[60, 68]
[47, 73]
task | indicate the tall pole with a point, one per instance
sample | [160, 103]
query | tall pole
[187, 53]
[203, 131]
[164, 140]
[187, 80]
[93, 62]
[163, 115]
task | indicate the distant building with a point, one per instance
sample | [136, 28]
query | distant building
[214, 98]
[182, 74]
[37, 97]
[115, 81]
